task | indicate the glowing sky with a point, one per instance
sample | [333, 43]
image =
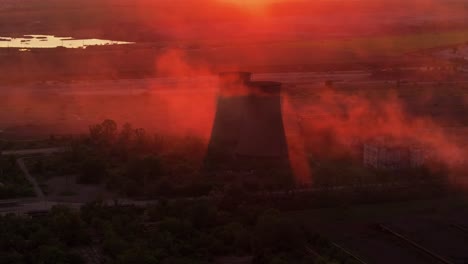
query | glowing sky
[251, 5]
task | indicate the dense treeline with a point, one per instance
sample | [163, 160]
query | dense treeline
[132, 162]
[129, 161]
[167, 232]
[42, 240]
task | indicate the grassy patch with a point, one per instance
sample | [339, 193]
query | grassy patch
[13, 184]
[388, 45]
[379, 212]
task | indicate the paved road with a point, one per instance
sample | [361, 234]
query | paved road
[20, 161]
[39, 193]
[21, 152]
[45, 205]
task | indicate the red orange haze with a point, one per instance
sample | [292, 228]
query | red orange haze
[189, 109]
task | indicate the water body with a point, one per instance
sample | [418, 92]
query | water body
[48, 41]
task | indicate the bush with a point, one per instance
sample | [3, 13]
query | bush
[93, 170]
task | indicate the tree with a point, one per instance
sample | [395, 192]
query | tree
[125, 138]
[235, 235]
[137, 256]
[141, 139]
[113, 245]
[11, 257]
[202, 214]
[104, 133]
[277, 233]
[109, 130]
[93, 170]
[181, 229]
[51, 255]
[68, 226]
[95, 133]
[152, 166]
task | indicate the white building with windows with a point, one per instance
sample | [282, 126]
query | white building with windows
[394, 155]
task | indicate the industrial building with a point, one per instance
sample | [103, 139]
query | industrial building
[384, 153]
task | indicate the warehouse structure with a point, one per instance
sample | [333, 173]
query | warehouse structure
[384, 153]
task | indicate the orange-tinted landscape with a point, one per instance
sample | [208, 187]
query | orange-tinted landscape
[233, 131]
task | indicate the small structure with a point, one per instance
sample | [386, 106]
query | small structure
[390, 154]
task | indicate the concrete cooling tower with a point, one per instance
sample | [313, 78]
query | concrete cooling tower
[261, 131]
[248, 127]
[229, 112]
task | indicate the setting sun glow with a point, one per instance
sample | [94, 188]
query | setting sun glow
[253, 5]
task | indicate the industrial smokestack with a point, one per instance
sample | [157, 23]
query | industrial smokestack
[248, 126]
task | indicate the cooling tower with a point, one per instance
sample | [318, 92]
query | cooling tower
[229, 111]
[248, 126]
[261, 131]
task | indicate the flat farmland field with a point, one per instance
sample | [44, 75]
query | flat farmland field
[437, 225]
[143, 60]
